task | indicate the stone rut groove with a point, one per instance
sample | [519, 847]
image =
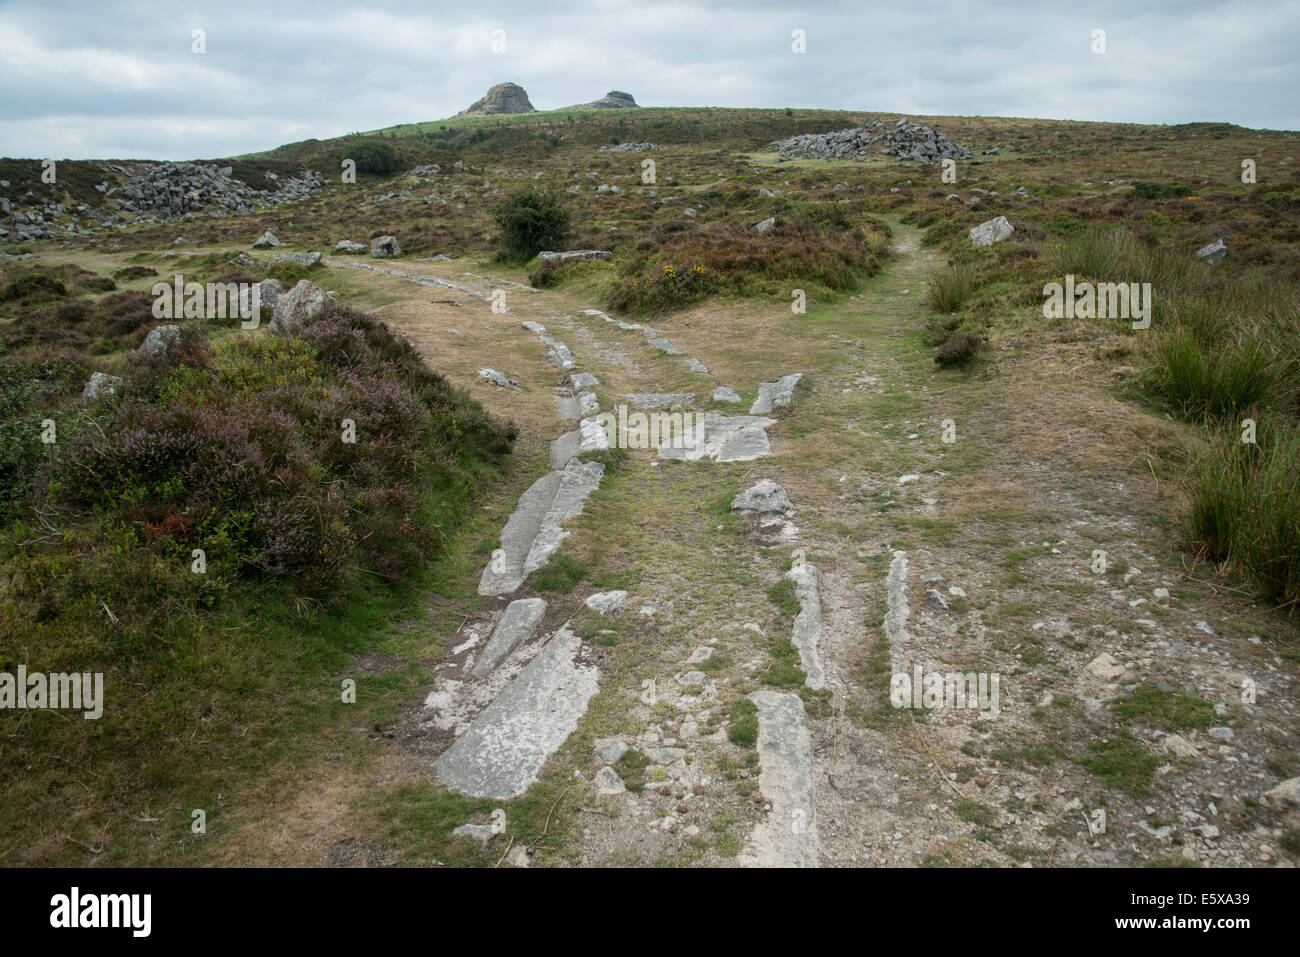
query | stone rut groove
[896, 616]
[788, 837]
[514, 627]
[501, 754]
[534, 531]
[808, 623]
[720, 438]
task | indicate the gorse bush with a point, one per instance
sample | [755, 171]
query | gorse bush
[373, 156]
[531, 221]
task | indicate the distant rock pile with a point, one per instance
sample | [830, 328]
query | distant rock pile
[170, 190]
[151, 193]
[904, 141]
[502, 98]
[629, 148]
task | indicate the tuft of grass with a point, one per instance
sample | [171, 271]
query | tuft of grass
[631, 768]
[561, 574]
[782, 595]
[949, 288]
[973, 812]
[1244, 508]
[1165, 708]
[742, 727]
[1122, 762]
[1209, 381]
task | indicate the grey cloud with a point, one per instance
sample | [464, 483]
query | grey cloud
[118, 78]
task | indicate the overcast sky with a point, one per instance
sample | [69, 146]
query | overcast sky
[119, 78]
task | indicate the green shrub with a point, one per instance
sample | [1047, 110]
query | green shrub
[373, 156]
[531, 220]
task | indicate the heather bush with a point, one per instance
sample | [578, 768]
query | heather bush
[960, 349]
[686, 266]
[240, 448]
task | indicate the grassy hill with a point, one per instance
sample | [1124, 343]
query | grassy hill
[322, 554]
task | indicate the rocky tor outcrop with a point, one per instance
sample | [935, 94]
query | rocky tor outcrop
[501, 99]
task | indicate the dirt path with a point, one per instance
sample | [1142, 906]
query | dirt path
[971, 556]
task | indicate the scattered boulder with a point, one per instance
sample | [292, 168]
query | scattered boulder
[159, 340]
[766, 224]
[348, 246]
[773, 394]
[1215, 252]
[1104, 667]
[605, 602]
[306, 260]
[993, 231]
[101, 385]
[765, 497]
[266, 241]
[610, 750]
[1181, 747]
[554, 257]
[499, 378]
[1285, 795]
[478, 832]
[298, 306]
[269, 292]
[385, 246]
[629, 148]
[245, 260]
[608, 783]
[500, 99]
[724, 394]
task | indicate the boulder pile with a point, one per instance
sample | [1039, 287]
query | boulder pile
[904, 141]
[167, 191]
